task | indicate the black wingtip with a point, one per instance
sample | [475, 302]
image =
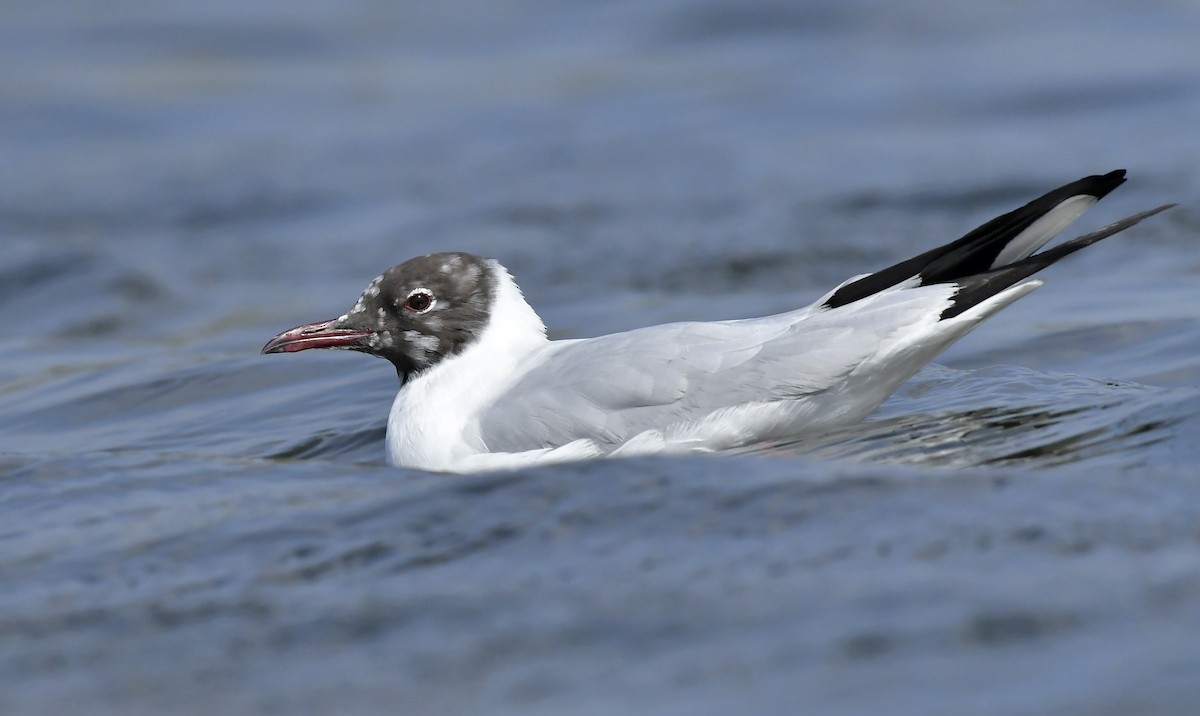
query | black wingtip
[976, 289]
[1101, 185]
[975, 252]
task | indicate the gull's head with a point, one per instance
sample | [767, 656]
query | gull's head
[414, 315]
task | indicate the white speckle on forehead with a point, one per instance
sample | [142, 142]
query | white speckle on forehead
[373, 288]
[427, 344]
[343, 317]
[382, 313]
[371, 292]
[451, 264]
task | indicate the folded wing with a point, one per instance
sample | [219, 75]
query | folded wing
[612, 388]
[833, 362]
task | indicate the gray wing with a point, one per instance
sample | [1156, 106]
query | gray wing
[610, 388]
[889, 323]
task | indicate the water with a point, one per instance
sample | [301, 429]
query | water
[188, 527]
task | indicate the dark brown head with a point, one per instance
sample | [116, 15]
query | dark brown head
[414, 315]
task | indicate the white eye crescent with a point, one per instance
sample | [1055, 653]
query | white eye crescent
[420, 300]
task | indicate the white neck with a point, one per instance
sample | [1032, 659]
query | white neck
[431, 424]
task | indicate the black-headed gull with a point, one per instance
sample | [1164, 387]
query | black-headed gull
[482, 387]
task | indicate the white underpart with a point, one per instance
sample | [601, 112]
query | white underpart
[1045, 228]
[430, 423]
[819, 369]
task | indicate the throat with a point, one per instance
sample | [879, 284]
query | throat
[402, 374]
[406, 370]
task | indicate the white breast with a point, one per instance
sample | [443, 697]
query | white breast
[432, 424]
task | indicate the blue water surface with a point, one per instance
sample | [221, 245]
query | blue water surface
[188, 527]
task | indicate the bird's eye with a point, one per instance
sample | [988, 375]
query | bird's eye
[419, 301]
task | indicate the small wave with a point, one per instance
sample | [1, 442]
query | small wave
[1007, 415]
